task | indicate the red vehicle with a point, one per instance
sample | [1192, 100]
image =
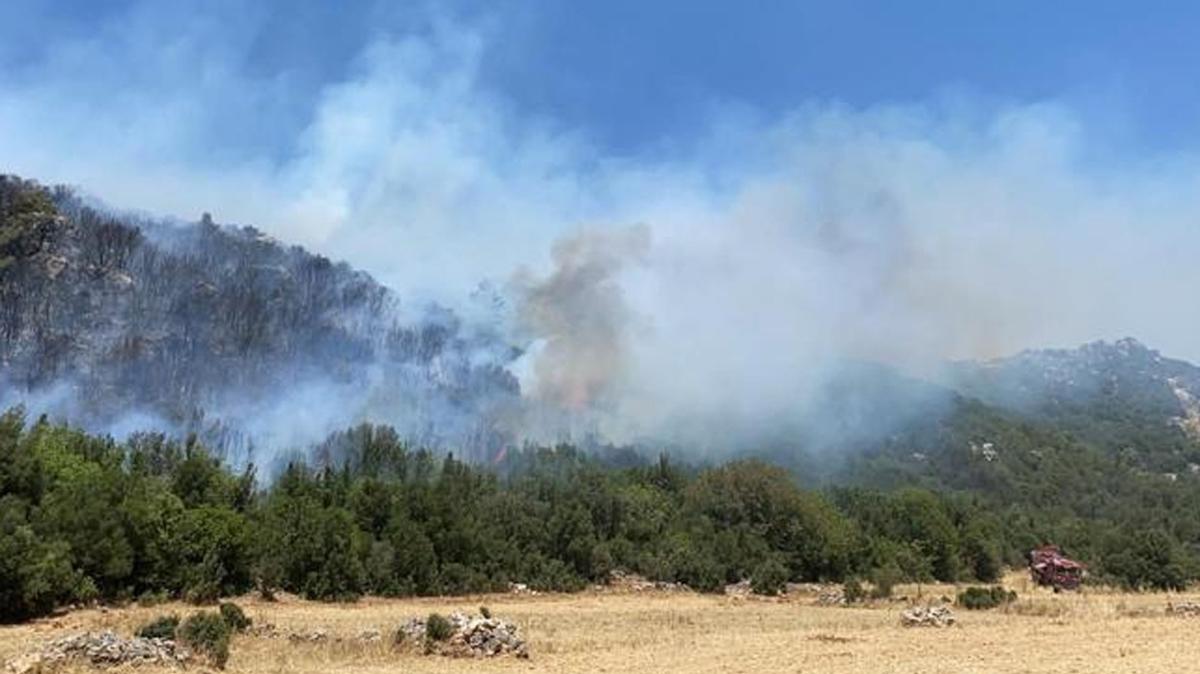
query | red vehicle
[1049, 567]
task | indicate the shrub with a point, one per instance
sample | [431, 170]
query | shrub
[162, 627]
[234, 616]
[853, 591]
[769, 578]
[981, 598]
[148, 598]
[208, 633]
[982, 557]
[884, 580]
[695, 566]
[438, 627]
[202, 593]
[485, 612]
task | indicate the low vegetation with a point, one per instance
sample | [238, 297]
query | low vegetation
[980, 598]
[162, 627]
[84, 518]
[235, 617]
[208, 634]
[438, 627]
[1100, 631]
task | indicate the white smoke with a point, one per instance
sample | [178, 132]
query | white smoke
[772, 250]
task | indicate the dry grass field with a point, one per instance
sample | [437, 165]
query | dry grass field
[1094, 632]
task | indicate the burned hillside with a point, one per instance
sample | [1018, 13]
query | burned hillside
[113, 321]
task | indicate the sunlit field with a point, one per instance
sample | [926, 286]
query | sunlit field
[654, 631]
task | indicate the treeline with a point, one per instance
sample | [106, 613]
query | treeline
[84, 518]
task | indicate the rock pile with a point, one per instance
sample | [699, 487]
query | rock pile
[631, 582]
[520, 588]
[1188, 609]
[411, 631]
[832, 597]
[103, 649]
[472, 636]
[927, 616]
[739, 589]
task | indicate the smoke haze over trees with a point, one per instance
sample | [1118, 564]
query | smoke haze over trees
[84, 518]
[122, 323]
[126, 324]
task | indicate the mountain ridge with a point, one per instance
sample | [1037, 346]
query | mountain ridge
[1123, 395]
[196, 326]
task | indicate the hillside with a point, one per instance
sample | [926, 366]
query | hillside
[1124, 397]
[121, 323]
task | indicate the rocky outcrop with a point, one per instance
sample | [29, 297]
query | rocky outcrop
[102, 649]
[927, 616]
[1187, 609]
[832, 597]
[471, 636]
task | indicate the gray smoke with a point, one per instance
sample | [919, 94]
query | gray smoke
[578, 318]
[773, 251]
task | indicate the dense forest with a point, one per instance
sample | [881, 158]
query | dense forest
[85, 518]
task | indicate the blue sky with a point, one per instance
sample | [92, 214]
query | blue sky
[1130, 67]
[1135, 60]
[907, 181]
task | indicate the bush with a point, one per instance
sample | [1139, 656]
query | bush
[981, 598]
[695, 566]
[884, 580]
[162, 627]
[207, 633]
[438, 627]
[148, 598]
[852, 591]
[485, 612]
[202, 593]
[770, 578]
[234, 616]
[982, 557]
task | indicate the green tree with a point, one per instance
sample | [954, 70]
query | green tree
[35, 575]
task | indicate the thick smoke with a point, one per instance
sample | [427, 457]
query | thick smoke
[775, 252]
[578, 326]
[579, 319]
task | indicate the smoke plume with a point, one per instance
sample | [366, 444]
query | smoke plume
[774, 250]
[579, 319]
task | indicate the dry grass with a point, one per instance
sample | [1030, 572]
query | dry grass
[1095, 631]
